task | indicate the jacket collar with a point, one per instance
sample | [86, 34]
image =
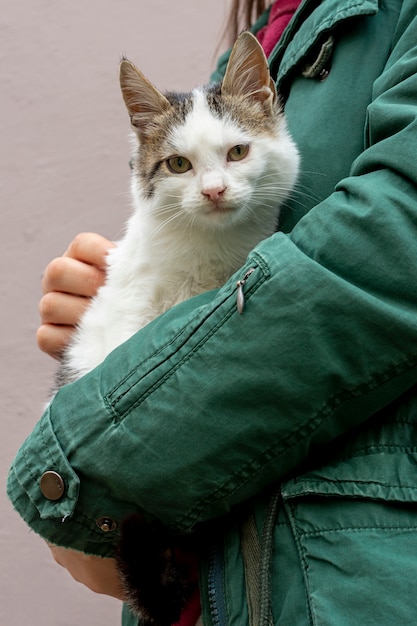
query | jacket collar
[312, 24]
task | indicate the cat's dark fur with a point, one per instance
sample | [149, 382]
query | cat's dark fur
[156, 570]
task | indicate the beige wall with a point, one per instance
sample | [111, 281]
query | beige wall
[64, 168]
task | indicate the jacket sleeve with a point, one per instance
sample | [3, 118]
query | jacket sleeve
[206, 406]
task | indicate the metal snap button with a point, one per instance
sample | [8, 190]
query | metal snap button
[106, 524]
[52, 485]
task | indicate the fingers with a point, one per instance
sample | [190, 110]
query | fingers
[99, 574]
[81, 270]
[53, 339]
[68, 284]
[59, 313]
[68, 275]
[62, 308]
[90, 248]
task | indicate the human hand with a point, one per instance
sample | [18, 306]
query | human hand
[68, 284]
[98, 574]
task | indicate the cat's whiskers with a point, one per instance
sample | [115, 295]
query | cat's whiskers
[295, 191]
[273, 190]
[173, 216]
[166, 208]
[299, 194]
[190, 223]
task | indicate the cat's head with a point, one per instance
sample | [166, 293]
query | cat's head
[220, 155]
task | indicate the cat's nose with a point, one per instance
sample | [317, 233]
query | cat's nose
[214, 193]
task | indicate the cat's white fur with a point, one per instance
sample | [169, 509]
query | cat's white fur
[196, 228]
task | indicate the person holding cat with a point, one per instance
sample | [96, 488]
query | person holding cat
[278, 439]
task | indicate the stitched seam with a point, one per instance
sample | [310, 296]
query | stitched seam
[304, 563]
[111, 403]
[356, 453]
[89, 523]
[299, 536]
[168, 374]
[86, 523]
[62, 464]
[328, 25]
[369, 450]
[354, 529]
[355, 482]
[28, 465]
[172, 371]
[184, 360]
[270, 454]
[258, 260]
[150, 357]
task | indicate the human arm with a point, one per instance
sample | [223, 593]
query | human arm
[261, 419]
[68, 284]
[98, 574]
[205, 407]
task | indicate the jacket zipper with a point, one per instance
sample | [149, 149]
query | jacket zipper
[216, 587]
[240, 297]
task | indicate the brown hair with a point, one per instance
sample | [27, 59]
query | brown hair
[242, 14]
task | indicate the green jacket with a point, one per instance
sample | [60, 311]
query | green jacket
[294, 423]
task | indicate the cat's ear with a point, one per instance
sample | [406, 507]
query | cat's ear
[247, 73]
[142, 99]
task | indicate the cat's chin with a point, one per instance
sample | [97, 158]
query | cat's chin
[219, 213]
[219, 219]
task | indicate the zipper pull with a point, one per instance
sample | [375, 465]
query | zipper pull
[240, 297]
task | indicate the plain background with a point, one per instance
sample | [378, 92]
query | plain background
[64, 153]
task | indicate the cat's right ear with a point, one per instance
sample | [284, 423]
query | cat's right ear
[247, 73]
[142, 99]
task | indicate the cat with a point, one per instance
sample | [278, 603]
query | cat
[210, 172]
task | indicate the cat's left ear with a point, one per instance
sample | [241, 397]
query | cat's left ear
[247, 74]
[142, 99]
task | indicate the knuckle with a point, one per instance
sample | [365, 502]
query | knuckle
[54, 271]
[47, 306]
[43, 339]
[77, 245]
[94, 280]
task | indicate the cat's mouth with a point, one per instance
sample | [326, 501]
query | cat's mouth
[221, 207]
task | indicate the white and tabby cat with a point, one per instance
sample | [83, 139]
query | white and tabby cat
[210, 172]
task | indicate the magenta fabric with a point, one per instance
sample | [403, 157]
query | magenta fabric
[191, 611]
[279, 18]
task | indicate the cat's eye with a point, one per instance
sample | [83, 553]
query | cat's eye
[179, 164]
[237, 153]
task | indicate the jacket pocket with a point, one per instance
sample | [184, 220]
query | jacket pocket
[173, 347]
[355, 527]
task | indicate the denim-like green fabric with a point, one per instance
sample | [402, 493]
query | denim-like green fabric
[313, 387]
